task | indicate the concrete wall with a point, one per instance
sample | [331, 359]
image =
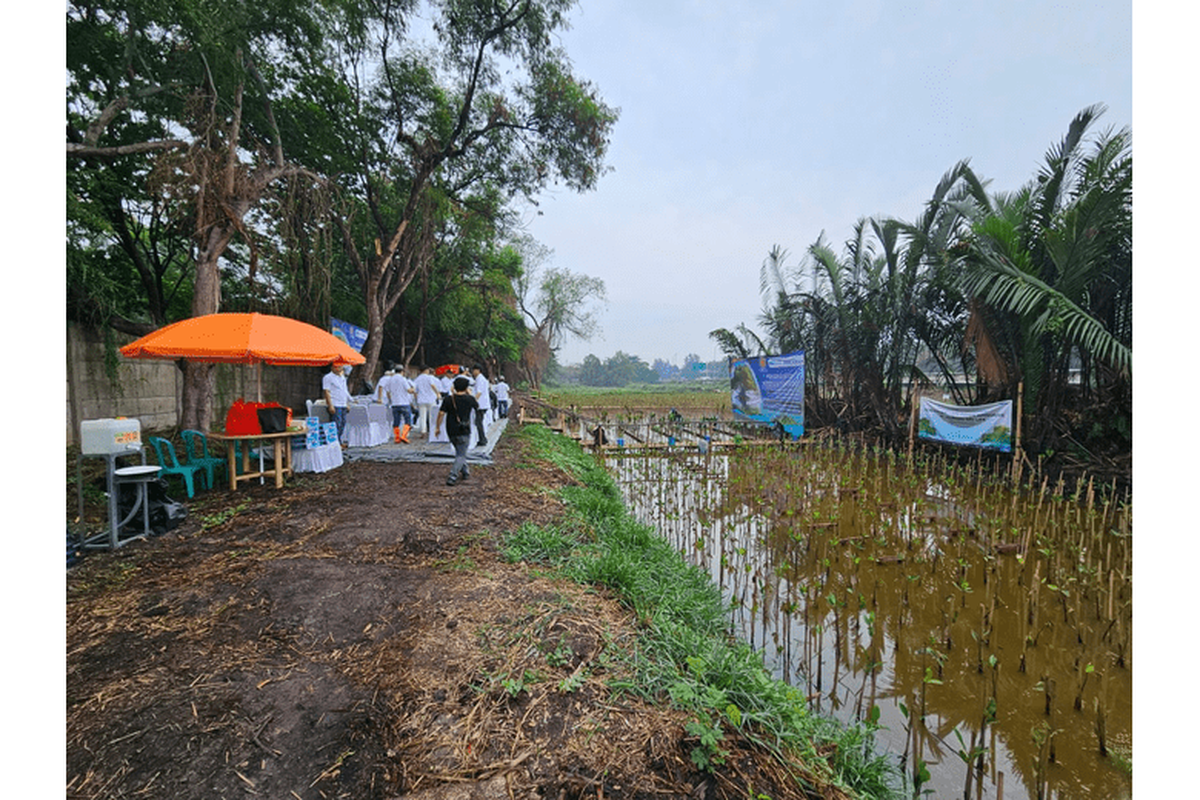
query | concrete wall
[151, 390]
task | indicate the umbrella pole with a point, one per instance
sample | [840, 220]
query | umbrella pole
[258, 386]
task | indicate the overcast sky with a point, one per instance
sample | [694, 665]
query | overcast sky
[749, 124]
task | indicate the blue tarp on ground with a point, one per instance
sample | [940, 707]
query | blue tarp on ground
[422, 450]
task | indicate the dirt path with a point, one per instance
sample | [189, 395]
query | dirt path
[357, 635]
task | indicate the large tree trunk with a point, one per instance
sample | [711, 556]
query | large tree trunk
[373, 346]
[385, 278]
[196, 411]
[376, 314]
[198, 385]
[535, 359]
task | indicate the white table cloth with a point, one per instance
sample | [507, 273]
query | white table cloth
[317, 459]
[380, 417]
[367, 426]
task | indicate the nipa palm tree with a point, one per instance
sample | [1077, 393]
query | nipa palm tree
[1049, 271]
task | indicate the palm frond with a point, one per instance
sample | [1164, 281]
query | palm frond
[750, 337]
[1055, 174]
[729, 343]
[1004, 285]
[826, 264]
[772, 275]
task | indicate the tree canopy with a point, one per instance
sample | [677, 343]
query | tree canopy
[312, 159]
[557, 303]
[619, 369]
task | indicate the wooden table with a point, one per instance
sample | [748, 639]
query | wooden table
[281, 464]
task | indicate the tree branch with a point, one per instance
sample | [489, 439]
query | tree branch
[87, 151]
[276, 139]
[106, 116]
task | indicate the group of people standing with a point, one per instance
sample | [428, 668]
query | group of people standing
[420, 399]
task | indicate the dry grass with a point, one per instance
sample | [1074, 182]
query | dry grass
[358, 636]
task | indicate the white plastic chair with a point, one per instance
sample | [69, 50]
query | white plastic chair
[318, 410]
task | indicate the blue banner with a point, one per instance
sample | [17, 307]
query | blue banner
[352, 335]
[770, 390]
[972, 426]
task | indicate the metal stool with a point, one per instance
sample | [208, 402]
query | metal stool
[140, 475]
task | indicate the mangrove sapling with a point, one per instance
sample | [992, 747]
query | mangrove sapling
[821, 485]
[1101, 708]
[1043, 739]
[968, 754]
[1048, 686]
[1083, 672]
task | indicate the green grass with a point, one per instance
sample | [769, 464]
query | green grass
[105, 576]
[685, 655]
[221, 517]
[693, 398]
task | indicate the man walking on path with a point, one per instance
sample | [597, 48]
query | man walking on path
[484, 398]
[395, 390]
[501, 398]
[426, 389]
[456, 414]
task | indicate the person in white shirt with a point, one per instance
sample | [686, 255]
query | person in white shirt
[483, 396]
[501, 398]
[446, 382]
[396, 391]
[381, 394]
[426, 391]
[337, 396]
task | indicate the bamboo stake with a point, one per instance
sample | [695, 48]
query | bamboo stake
[1017, 452]
[914, 401]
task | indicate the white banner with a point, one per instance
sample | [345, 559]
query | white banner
[973, 426]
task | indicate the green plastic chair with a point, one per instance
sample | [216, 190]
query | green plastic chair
[195, 443]
[165, 451]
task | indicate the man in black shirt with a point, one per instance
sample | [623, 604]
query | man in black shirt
[455, 412]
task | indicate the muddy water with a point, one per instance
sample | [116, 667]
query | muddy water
[989, 629]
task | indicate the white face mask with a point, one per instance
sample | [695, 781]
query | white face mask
[346, 370]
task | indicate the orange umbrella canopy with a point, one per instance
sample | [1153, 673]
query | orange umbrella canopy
[245, 339]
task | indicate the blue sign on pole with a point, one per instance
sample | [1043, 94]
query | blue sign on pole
[352, 335]
[770, 390]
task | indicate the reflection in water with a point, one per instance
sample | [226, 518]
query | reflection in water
[989, 628]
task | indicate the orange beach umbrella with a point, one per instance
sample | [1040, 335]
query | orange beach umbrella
[244, 339]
